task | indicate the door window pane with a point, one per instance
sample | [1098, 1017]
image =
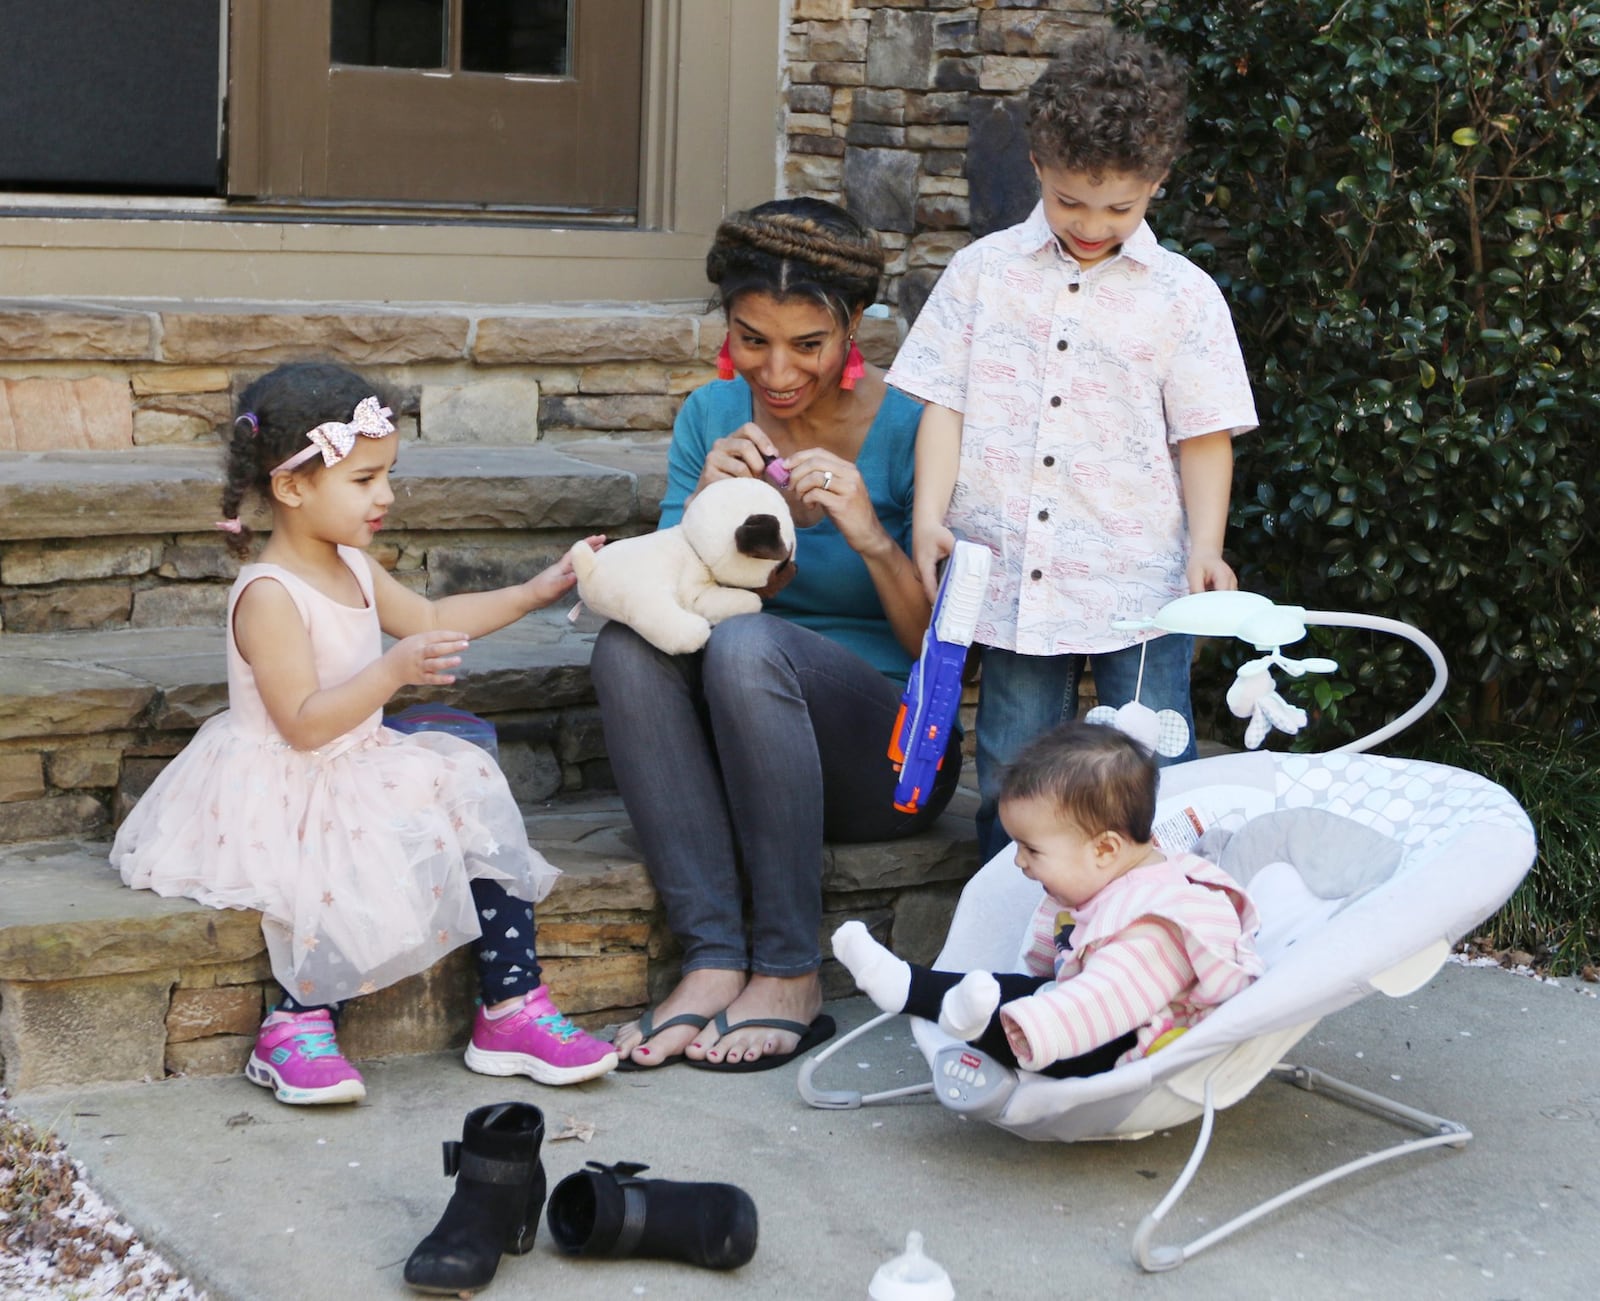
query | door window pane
[531, 37]
[392, 33]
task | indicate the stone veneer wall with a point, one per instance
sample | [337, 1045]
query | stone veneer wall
[121, 375]
[911, 113]
[607, 380]
[533, 426]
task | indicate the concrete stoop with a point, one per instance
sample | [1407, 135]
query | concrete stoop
[102, 983]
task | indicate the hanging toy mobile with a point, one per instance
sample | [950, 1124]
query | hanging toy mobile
[1267, 627]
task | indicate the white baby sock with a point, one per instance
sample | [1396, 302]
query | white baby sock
[881, 976]
[969, 1006]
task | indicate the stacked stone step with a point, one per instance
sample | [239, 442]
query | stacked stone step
[102, 983]
[523, 432]
[89, 715]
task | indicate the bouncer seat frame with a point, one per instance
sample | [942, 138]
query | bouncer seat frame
[1366, 872]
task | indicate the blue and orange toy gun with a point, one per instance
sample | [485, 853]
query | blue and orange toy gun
[933, 691]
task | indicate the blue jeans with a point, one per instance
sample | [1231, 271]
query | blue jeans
[1021, 696]
[748, 755]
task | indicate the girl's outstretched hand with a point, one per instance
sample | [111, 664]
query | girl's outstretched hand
[425, 659]
[554, 582]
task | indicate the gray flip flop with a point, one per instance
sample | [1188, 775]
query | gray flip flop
[648, 1030]
[819, 1031]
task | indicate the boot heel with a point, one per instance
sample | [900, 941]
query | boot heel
[494, 1210]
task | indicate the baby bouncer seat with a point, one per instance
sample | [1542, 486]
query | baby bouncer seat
[1365, 872]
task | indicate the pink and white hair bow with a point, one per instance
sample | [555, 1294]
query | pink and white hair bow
[335, 439]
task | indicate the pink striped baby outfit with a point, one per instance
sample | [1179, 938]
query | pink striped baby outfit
[1154, 951]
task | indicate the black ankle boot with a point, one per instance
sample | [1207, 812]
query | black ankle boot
[495, 1207]
[609, 1211]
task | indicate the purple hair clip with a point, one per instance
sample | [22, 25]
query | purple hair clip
[249, 418]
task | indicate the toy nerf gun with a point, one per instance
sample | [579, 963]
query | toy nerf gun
[933, 691]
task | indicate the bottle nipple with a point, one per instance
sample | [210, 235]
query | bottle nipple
[911, 1277]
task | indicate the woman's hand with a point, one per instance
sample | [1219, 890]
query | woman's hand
[826, 484]
[743, 454]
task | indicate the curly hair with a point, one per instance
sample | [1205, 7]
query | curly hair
[1112, 102]
[1099, 777]
[275, 412]
[796, 247]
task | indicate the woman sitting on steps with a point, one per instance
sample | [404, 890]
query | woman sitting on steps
[748, 755]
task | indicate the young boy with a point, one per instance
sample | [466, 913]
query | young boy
[1129, 946]
[1083, 387]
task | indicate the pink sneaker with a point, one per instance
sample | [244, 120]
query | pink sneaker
[538, 1041]
[297, 1058]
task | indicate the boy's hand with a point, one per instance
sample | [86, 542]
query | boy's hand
[425, 659]
[930, 543]
[1209, 572]
[554, 582]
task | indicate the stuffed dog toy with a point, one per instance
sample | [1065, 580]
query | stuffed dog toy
[670, 586]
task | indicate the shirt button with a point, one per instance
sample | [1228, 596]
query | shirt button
[1036, 575]
[1061, 345]
[1043, 515]
[1073, 287]
[1049, 460]
[1056, 401]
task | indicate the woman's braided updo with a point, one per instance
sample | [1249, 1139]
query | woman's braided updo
[789, 247]
[275, 413]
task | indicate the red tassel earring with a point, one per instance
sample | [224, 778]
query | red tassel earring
[855, 366]
[724, 362]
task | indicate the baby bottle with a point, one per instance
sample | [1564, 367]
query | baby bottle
[911, 1277]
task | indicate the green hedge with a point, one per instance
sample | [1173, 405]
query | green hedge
[1400, 201]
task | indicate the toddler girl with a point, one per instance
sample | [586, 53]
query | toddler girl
[369, 853]
[1129, 947]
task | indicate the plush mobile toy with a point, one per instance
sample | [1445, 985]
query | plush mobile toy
[670, 586]
[1253, 695]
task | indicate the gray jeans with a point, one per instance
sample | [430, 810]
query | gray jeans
[749, 754]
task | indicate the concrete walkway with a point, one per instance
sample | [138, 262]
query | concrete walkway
[261, 1202]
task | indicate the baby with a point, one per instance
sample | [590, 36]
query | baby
[1129, 947]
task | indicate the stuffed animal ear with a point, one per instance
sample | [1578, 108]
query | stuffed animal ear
[1166, 732]
[761, 536]
[1173, 737]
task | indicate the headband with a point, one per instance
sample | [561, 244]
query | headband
[335, 439]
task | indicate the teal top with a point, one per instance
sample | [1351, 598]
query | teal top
[831, 592]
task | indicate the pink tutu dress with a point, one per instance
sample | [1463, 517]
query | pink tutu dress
[358, 855]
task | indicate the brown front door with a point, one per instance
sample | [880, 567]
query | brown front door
[462, 103]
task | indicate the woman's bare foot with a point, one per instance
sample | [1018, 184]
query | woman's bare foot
[791, 998]
[704, 993]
